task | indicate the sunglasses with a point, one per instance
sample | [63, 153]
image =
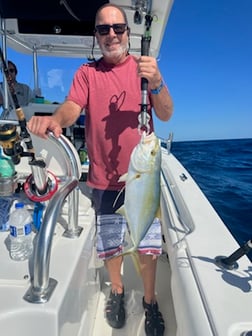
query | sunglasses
[11, 70]
[119, 28]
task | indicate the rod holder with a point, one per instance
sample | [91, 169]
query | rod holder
[230, 262]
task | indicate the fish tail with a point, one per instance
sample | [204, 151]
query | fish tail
[136, 262]
[135, 258]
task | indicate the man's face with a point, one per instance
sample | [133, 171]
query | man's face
[113, 45]
[12, 71]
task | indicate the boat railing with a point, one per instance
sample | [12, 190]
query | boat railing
[65, 148]
[42, 286]
[167, 143]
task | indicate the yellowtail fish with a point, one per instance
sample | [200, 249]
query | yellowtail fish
[142, 188]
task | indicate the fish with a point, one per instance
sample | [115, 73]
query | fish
[142, 188]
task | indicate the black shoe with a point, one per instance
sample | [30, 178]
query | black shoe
[115, 312]
[154, 323]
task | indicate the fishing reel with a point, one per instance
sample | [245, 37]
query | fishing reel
[40, 185]
[11, 142]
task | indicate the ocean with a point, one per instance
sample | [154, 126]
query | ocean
[223, 170]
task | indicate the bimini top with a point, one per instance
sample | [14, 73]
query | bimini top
[65, 27]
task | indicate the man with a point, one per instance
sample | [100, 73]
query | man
[22, 91]
[109, 90]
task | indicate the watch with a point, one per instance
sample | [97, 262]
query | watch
[158, 89]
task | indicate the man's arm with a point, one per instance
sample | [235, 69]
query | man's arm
[162, 102]
[67, 113]
[64, 116]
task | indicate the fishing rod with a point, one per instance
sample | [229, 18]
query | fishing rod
[144, 117]
[40, 185]
[10, 140]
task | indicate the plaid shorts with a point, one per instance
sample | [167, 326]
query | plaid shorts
[112, 227]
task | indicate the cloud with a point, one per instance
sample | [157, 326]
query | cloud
[54, 79]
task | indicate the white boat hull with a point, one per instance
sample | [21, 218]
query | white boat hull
[208, 300]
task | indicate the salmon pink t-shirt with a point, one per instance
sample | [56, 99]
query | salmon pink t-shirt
[111, 97]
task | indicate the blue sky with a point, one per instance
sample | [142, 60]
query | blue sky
[206, 61]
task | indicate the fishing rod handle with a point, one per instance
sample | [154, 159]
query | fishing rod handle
[145, 47]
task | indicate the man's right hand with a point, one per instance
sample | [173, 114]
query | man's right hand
[40, 125]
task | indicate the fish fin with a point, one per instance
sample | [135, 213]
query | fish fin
[121, 210]
[135, 258]
[136, 262]
[123, 177]
[158, 213]
[118, 196]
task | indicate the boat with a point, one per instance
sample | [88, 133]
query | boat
[204, 277]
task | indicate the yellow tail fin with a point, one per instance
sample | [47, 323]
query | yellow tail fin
[135, 258]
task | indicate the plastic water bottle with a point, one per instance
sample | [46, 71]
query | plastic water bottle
[20, 222]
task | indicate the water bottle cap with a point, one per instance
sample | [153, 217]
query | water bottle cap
[19, 205]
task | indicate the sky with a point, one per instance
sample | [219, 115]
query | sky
[206, 62]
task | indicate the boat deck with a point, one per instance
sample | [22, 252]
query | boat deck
[133, 301]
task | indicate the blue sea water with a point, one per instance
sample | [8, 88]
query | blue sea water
[223, 170]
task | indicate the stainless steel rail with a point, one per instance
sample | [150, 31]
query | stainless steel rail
[42, 286]
[64, 146]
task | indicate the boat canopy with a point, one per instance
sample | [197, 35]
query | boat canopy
[64, 28]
